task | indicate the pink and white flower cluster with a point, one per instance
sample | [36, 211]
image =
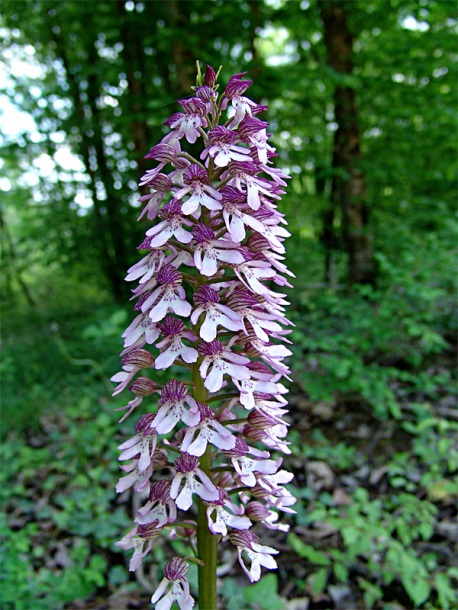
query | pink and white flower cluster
[209, 302]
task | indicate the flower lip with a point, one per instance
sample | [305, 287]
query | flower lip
[175, 569]
[214, 348]
[174, 391]
[204, 294]
[186, 463]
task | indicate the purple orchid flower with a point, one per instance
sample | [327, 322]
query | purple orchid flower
[208, 303]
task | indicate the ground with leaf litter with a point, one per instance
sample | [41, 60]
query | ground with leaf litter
[374, 468]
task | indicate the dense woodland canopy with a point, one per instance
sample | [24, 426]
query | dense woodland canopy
[362, 108]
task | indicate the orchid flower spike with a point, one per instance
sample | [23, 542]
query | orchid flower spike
[208, 311]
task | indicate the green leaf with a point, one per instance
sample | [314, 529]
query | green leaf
[417, 588]
[307, 551]
[413, 577]
[319, 580]
[263, 594]
[118, 575]
[341, 572]
[233, 594]
[445, 591]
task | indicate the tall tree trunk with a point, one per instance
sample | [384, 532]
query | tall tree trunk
[328, 235]
[136, 78]
[112, 207]
[12, 271]
[348, 186]
[103, 217]
[183, 57]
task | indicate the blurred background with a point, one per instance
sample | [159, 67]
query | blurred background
[362, 108]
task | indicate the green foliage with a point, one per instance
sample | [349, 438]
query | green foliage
[368, 343]
[62, 493]
[55, 338]
[263, 594]
[258, 596]
[25, 586]
[386, 538]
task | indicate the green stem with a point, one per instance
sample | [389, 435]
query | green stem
[223, 396]
[206, 541]
[206, 548]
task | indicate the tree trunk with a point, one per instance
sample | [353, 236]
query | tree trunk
[328, 235]
[112, 206]
[136, 77]
[12, 272]
[183, 58]
[113, 265]
[348, 187]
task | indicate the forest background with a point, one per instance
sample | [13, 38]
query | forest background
[362, 108]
